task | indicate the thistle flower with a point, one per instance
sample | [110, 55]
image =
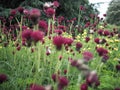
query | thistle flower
[100, 32]
[58, 31]
[62, 27]
[36, 87]
[101, 51]
[43, 24]
[62, 82]
[58, 41]
[87, 39]
[105, 58]
[103, 41]
[82, 8]
[78, 46]
[117, 88]
[3, 78]
[97, 40]
[84, 86]
[13, 12]
[106, 33]
[56, 4]
[60, 19]
[26, 12]
[118, 67]
[87, 55]
[26, 34]
[65, 71]
[34, 15]
[18, 48]
[68, 41]
[55, 77]
[20, 9]
[37, 36]
[50, 12]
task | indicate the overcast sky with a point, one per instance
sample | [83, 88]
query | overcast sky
[103, 7]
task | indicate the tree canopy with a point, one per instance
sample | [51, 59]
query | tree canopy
[113, 13]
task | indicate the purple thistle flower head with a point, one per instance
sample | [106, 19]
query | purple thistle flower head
[3, 78]
[87, 39]
[50, 12]
[56, 4]
[62, 82]
[26, 34]
[100, 32]
[68, 41]
[105, 58]
[101, 51]
[106, 33]
[87, 55]
[84, 86]
[58, 31]
[37, 36]
[34, 15]
[97, 40]
[20, 9]
[78, 46]
[117, 88]
[36, 87]
[13, 12]
[43, 24]
[58, 41]
[118, 67]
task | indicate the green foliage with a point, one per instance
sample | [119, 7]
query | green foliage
[113, 13]
[69, 8]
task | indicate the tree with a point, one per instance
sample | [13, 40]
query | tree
[113, 13]
[68, 8]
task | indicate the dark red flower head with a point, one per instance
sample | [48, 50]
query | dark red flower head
[105, 58]
[56, 4]
[43, 24]
[36, 87]
[68, 41]
[20, 9]
[62, 27]
[87, 55]
[117, 88]
[106, 33]
[101, 51]
[34, 14]
[78, 46]
[118, 67]
[58, 31]
[100, 32]
[97, 40]
[3, 78]
[26, 34]
[82, 8]
[26, 12]
[13, 12]
[50, 12]
[87, 39]
[37, 36]
[63, 81]
[84, 86]
[58, 41]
